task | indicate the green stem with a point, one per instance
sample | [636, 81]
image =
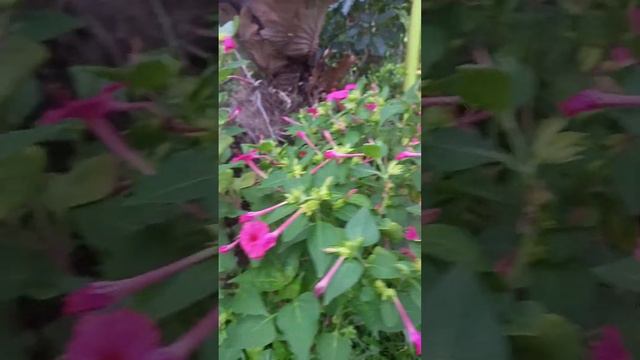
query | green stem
[413, 45]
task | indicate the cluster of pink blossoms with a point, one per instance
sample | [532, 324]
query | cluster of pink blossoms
[127, 335]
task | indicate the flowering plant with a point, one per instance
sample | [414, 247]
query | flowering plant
[319, 247]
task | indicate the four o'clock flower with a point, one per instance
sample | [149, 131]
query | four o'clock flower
[609, 346]
[251, 215]
[590, 100]
[234, 114]
[340, 94]
[255, 238]
[407, 154]
[411, 234]
[303, 136]
[93, 112]
[371, 106]
[101, 294]
[327, 136]
[121, 335]
[322, 285]
[228, 44]
[413, 335]
[332, 154]
[188, 343]
[248, 159]
[313, 112]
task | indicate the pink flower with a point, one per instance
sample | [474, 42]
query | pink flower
[251, 215]
[408, 253]
[248, 160]
[290, 120]
[121, 335]
[331, 154]
[93, 112]
[610, 345]
[327, 136]
[322, 285]
[337, 95]
[228, 44]
[407, 154]
[234, 113]
[350, 87]
[302, 135]
[411, 233]
[312, 111]
[255, 238]
[589, 100]
[188, 343]
[371, 106]
[415, 141]
[414, 335]
[622, 56]
[98, 295]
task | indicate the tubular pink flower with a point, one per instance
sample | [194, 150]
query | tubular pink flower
[234, 113]
[255, 238]
[322, 285]
[101, 294]
[590, 100]
[414, 335]
[248, 160]
[407, 154]
[331, 154]
[251, 215]
[408, 253]
[337, 95]
[93, 112]
[610, 345]
[371, 106]
[350, 86]
[188, 343]
[327, 136]
[415, 141]
[411, 234]
[320, 166]
[228, 44]
[303, 136]
[122, 335]
[290, 120]
[313, 112]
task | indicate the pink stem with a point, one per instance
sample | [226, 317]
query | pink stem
[110, 137]
[322, 285]
[256, 169]
[136, 283]
[267, 210]
[320, 166]
[277, 232]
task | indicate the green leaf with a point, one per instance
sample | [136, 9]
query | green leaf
[185, 176]
[90, 180]
[333, 346]
[555, 339]
[298, 321]
[381, 264]
[273, 274]
[347, 276]
[454, 245]
[462, 322]
[324, 235]
[484, 87]
[16, 141]
[626, 177]
[20, 58]
[453, 149]
[21, 177]
[247, 301]
[624, 273]
[253, 331]
[372, 150]
[295, 229]
[363, 225]
[180, 291]
[42, 25]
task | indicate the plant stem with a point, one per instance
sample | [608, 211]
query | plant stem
[413, 45]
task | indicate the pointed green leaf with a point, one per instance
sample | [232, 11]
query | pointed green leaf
[298, 321]
[253, 331]
[347, 276]
[324, 235]
[363, 225]
[333, 346]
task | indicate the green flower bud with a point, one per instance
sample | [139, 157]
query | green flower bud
[391, 229]
[395, 168]
[295, 196]
[310, 207]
